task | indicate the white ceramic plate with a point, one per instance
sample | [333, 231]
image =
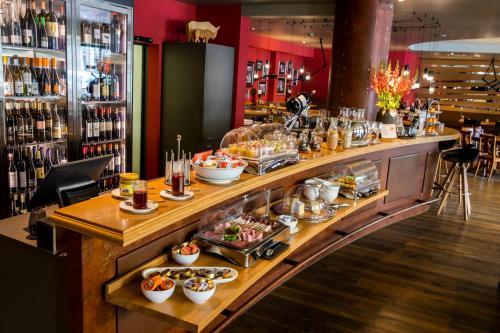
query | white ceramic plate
[234, 273]
[168, 195]
[116, 194]
[127, 206]
[217, 182]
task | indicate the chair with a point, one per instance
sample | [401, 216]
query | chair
[466, 136]
[444, 147]
[488, 153]
[460, 158]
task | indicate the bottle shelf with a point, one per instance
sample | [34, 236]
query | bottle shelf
[120, 102]
[44, 143]
[102, 142]
[10, 50]
[34, 98]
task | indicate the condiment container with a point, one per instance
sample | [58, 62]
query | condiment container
[127, 183]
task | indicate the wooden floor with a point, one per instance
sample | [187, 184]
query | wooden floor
[426, 274]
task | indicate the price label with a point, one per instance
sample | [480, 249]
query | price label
[388, 131]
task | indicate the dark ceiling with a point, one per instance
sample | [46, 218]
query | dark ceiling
[459, 19]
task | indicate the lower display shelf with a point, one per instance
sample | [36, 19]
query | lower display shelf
[125, 291]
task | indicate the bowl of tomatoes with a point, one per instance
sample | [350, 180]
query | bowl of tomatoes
[186, 253]
[218, 167]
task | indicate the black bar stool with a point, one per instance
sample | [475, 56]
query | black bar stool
[444, 147]
[460, 158]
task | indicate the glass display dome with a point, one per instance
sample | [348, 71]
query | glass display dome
[265, 141]
[305, 202]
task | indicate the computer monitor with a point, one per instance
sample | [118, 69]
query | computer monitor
[70, 182]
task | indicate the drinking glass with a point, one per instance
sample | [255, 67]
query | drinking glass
[178, 179]
[376, 131]
[140, 198]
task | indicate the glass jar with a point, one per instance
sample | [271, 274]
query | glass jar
[315, 142]
[332, 138]
[303, 141]
[127, 183]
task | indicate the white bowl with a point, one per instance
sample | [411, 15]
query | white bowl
[198, 297]
[185, 259]
[219, 173]
[288, 220]
[159, 296]
[330, 192]
[311, 191]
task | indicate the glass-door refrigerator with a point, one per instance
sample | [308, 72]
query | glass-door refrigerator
[36, 88]
[103, 50]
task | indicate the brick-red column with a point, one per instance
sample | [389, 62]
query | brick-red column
[361, 36]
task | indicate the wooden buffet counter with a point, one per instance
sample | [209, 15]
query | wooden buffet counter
[106, 249]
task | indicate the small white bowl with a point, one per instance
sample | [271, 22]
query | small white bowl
[198, 297]
[330, 192]
[158, 296]
[185, 259]
[219, 173]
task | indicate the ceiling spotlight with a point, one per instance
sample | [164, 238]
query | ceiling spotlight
[430, 76]
[406, 70]
[302, 69]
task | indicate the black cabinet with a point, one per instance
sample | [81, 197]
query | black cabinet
[197, 95]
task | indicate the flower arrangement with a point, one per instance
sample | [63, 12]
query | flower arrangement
[391, 85]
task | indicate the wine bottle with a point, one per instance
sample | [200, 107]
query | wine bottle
[56, 122]
[43, 37]
[106, 36]
[15, 27]
[102, 124]
[95, 87]
[48, 122]
[96, 34]
[45, 78]
[54, 78]
[40, 123]
[63, 157]
[19, 124]
[18, 77]
[85, 152]
[31, 172]
[39, 169]
[28, 124]
[116, 33]
[11, 124]
[47, 164]
[111, 164]
[86, 38]
[21, 172]
[91, 152]
[114, 83]
[4, 29]
[62, 28]
[95, 123]
[62, 79]
[12, 174]
[35, 84]
[104, 84]
[117, 158]
[109, 124]
[22, 203]
[117, 125]
[27, 77]
[29, 28]
[8, 78]
[52, 27]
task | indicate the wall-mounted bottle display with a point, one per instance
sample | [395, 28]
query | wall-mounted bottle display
[44, 121]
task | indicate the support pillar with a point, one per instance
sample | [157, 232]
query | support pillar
[361, 38]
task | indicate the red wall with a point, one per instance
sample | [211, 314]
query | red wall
[319, 81]
[410, 58]
[165, 22]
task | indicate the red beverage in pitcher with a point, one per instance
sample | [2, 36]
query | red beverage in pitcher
[140, 199]
[178, 184]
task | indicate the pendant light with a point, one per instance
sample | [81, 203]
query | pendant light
[430, 76]
[308, 76]
[302, 69]
[267, 64]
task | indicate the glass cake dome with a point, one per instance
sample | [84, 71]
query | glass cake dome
[305, 202]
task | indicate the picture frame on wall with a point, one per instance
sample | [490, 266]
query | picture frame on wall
[259, 65]
[263, 88]
[290, 67]
[281, 86]
[282, 68]
[250, 71]
[265, 73]
[295, 77]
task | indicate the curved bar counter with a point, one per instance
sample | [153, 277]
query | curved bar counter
[107, 249]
